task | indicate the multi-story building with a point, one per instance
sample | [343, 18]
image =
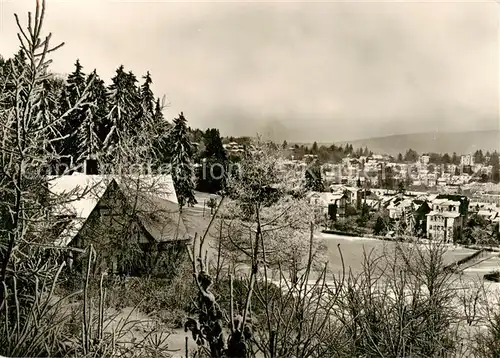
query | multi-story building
[398, 207]
[452, 169]
[467, 160]
[234, 148]
[445, 221]
[424, 159]
[330, 205]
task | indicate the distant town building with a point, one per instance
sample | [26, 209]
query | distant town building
[445, 221]
[234, 148]
[309, 157]
[331, 205]
[467, 160]
[399, 207]
[424, 159]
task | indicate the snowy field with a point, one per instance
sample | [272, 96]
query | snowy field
[354, 248]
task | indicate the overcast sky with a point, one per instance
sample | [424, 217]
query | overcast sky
[297, 71]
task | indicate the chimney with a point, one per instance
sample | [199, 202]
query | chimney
[91, 166]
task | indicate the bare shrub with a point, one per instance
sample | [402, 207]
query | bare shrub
[400, 305]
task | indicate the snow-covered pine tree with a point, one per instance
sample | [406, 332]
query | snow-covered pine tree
[124, 104]
[86, 136]
[162, 146]
[99, 96]
[146, 124]
[134, 120]
[76, 84]
[163, 127]
[51, 90]
[96, 125]
[117, 112]
[147, 97]
[214, 172]
[12, 65]
[183, 173]
[152, 122]
[313, 177]
[3, 72]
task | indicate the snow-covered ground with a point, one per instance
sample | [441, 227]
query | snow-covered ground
[354, 249]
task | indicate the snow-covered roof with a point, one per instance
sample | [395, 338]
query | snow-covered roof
[372, 202]
[72, 228]
[444, 202]
[81, 192]
[489, 214]
[432, 197]
[482, 205]
[327, 197]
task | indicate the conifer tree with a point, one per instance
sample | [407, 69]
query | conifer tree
[118, 97]
[147, 97]
[151, 123]
[182, 168]
[214, 172]
[88, 141]
[124, 111]
[134, 118]
[76, 82]
[366, 153]
[479, 156]
[99, 97]
[75, 86]
[313, 177]
[12, 66]
[119, 112]
[146, 118]
[314, 149]
[158, 115]
[4, 70]
[162, 144]
[2, 64]
[494, 162]
[51, 89]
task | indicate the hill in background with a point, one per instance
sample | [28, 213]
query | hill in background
[437, 142]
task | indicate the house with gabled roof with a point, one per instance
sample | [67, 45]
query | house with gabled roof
[137, 217]
[331, 205]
